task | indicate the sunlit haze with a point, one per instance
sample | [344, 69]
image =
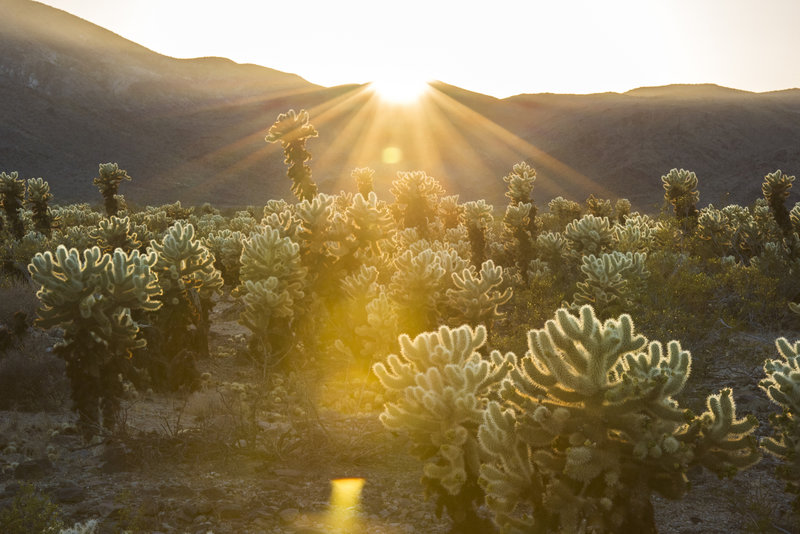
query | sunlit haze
[499, 48]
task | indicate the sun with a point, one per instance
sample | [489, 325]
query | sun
[401, 90]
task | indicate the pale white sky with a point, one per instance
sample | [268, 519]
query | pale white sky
[497, 47]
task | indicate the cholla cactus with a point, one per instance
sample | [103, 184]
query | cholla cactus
[475, 299]
[370, 222]
[113, 233]
[520, 184]
[12, 192]
[517, 223]
[364, 180]
[292, 130]
[188, 279]
[679, 187]
[38, 197]
[439, 385]
[782, 386]
[590, 427]
[776, 188]
[552, 246]
[714, 227]
[635, 234]
[92, 301]
[417, 197]
[450, 211]
[266, 256]
[599, 207]
[226, 246]
[416, 286]
[610, 281]
[589, 235]
[622, 209]
[477, 216]
[563, 212]
[107, 181]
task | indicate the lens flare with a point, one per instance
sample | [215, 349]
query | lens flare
[343, 512]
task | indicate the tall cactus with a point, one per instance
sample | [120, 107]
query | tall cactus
[38, 197]
[680, 191]
[292, 129]
[188, 279]
[92, 300]
[107, 181]
[776, 188]
[12, 193]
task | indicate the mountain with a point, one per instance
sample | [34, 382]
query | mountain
[73, 95]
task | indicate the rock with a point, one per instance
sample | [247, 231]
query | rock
[116, 459]
[214, 494]
[289, 515]
[68, 493]
[228, 510]
[33, 469]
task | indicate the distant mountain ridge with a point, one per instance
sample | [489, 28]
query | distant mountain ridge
[73, 95]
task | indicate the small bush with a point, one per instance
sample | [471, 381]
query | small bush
[32, 382]
[31, 512]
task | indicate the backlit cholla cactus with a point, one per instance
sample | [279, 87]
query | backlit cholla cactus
[776, 188]
[622, 209]
[314, 236]
[450, 211]
[520, 184]
[292, 130]
[680, 191]
[551, 247]
[107, 181]
[477, 217]
[517, 225]
[589, 235]
[226, 246]
[37, 201]
[188, 280]
[113, 233]
[417, 198]
[794, 218]
[610, 281]
[416, 287]
[364, 180]
[782, 386]
[599, 207]
[563, 212]
[589, 427]
[635, 234]
[92, 299]
[12, 193]
[273, 286]
[475, 298]
[438, 386]
[714, 228]
[371, 223]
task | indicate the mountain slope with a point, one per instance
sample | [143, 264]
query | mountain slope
[73, 95]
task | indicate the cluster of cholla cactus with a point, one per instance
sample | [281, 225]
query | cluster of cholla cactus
[776, 188]
[95, 299]
[588, 426]
[439, 385]
[416, 197]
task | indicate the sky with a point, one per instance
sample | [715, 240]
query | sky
[496, 47]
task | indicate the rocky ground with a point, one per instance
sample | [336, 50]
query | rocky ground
[203, 464]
